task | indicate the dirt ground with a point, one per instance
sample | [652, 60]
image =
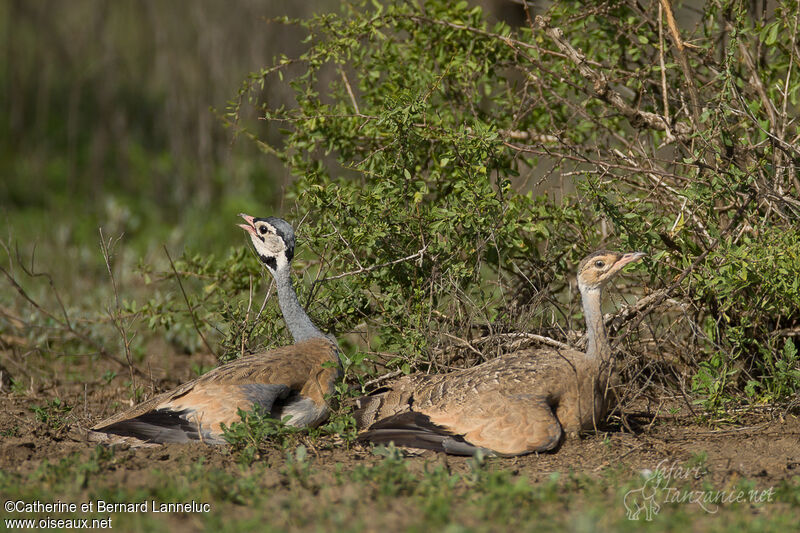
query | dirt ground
[767, 450]
[762, 447]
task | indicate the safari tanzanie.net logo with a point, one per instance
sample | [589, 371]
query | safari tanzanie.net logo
[672, 484]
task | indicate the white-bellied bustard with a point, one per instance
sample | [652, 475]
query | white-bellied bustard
[289, 381]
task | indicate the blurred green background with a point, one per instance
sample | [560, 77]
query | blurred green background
[108, 118]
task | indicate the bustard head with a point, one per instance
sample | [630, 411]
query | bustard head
[598, 268]
[273, 239]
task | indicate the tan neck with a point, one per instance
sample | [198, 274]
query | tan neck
[597, 347]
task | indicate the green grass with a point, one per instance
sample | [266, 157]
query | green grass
[392, 492]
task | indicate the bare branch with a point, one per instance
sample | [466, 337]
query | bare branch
[65, 324]
[115, 317]
[349, 91]
[189, 304]
[602, 89]
[687, 70]
[362, 270]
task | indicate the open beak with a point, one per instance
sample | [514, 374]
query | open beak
[249, 227]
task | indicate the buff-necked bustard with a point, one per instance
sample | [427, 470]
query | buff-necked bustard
[519, 403]
[289, 381]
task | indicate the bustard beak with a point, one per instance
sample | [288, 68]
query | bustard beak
[249, 227]
[630, 258]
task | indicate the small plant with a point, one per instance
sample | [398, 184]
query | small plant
[13, 431]
[698, 462]
[199, 370]
[256, 432]
[136, 392]
[108, 376]
[298, 467]
[341, 424]
[390, 477]
[53, 414]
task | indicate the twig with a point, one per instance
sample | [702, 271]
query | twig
[115, 316]
[784, 122]
[65, 324]
[503, 38]
[602, 88]
[532, 336]
[528, 136]
[787, 148]
[662, 63]
[247, 314]
[362, 270]
[789, 332]
[687, 70]
[758, 85]
[349, 90]
[629, 312]
[467, 344]
[188, 304]
[384, 377]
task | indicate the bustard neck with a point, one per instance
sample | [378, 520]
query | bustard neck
[597, 347]
[296, 318]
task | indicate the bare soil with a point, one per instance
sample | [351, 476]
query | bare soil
[761, 446]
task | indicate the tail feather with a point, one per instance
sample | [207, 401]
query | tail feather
[161, 426]
[416, 430]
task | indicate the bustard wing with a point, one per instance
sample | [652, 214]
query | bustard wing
[504, 405]
[269, 380]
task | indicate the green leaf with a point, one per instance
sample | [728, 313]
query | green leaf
[772, 34]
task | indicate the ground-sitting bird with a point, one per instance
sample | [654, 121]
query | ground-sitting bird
[519, 403]
[290, 381]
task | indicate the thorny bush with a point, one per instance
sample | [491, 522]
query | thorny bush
[423, 136]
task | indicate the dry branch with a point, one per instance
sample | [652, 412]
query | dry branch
[189, 305]
[65, 323]
[685, 67]
[602, 89]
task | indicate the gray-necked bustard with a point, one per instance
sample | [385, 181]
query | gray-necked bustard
[519, 403]
[289, 381]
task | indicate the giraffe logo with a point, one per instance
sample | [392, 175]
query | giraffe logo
[643, 499]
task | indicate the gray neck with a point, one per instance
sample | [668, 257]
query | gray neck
[298, 322]
[597, 347]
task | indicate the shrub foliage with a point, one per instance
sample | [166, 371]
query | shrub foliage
[423, 134]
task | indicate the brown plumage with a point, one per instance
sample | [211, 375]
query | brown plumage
[519, 403]
[292, 381]
[288, 381]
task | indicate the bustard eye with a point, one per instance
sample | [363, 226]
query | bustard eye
[599, 264]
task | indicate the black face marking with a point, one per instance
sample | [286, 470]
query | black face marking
[279, 227]
[269, 261]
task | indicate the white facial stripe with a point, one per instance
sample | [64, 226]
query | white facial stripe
[269, 228]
